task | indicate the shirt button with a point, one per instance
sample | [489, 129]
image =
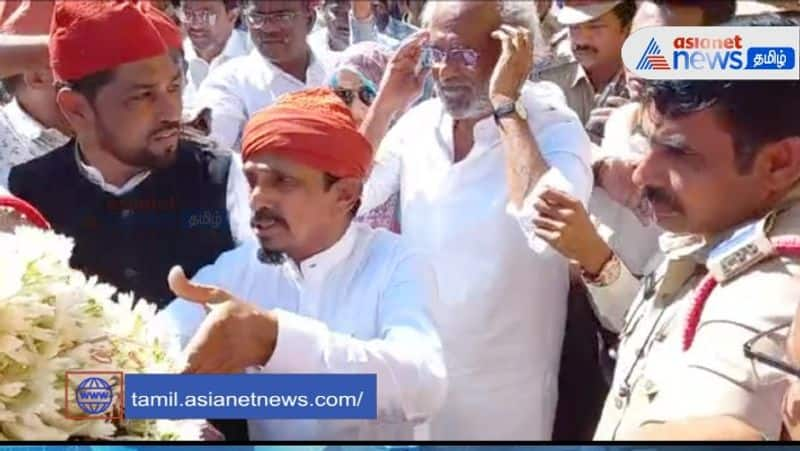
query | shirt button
[125, 214]
[130, 273]
[649, 385]
[618, 402]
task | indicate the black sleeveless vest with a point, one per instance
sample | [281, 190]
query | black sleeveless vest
[176, 216]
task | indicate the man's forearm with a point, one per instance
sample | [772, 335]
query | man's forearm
[376, 122]
[19, 54]
[524, 162]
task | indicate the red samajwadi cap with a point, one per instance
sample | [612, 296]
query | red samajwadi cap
[312, 127]
[91, 36]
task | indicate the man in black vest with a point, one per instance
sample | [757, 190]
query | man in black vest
[136, 195]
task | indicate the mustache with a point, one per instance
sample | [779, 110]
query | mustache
[584, 48]
[266, 214]
[168, 126]
[658, 195]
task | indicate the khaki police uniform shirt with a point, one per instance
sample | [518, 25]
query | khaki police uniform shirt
[656, 381]
[577, 87]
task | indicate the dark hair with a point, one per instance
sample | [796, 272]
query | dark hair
[90, 85]
[625, 11]
[756, 112]
[328, 182]
[229, 4]
[12, 84]
[306, 3]
[715, 12]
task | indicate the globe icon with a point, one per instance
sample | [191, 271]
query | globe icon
[94, 395]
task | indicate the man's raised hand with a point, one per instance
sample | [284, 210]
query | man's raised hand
[233, 336]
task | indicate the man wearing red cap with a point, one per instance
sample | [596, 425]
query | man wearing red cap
[324, 294]
[136, 196]
[31, 124]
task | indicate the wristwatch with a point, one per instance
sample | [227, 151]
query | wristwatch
[508, 108]
[608, 274]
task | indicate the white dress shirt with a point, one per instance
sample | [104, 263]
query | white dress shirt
[237, 198]
[243, 86]
[502, 296]
[239, 44]
[361, 306]
[635, 244]
[22, 139]
[318, 41]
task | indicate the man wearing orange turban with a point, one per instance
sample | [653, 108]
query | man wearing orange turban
[317, 293]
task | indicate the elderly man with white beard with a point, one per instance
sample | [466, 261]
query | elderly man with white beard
[469, 165]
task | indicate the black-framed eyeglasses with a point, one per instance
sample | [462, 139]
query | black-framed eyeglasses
[259, 20]
[769, 348]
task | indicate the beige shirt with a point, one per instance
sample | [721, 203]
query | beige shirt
[575, 83]
[656, 381]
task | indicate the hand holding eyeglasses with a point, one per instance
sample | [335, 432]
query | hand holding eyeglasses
[514, 65]
[404, 77]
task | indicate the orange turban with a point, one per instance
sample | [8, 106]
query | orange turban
[313, 128]
[90, 36]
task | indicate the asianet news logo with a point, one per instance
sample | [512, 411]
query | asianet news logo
[713, 53]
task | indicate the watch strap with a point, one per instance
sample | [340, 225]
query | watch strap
[504, 110]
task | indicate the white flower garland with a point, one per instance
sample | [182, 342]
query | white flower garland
[54, 319]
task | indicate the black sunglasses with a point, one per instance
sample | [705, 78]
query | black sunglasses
[365, 94]
[770, 360]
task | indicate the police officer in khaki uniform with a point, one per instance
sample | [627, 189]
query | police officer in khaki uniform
[681, 370]
[597, 30]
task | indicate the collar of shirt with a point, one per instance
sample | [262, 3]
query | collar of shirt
[94, 176]
[581, 77]
[315, 269]
[485, 133]
[237, 45]
[398, 29]
[30, 128]
[677, 246]
[316, 73]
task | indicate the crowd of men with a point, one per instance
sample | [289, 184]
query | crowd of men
[474, 200]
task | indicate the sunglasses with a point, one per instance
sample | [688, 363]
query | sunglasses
[366, 93]
[768, 348]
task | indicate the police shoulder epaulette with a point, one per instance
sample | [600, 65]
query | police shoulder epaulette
[745, 248]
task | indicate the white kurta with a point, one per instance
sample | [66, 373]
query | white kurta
[238, 44]
[502, 300]
[243, 86]
[361, 306]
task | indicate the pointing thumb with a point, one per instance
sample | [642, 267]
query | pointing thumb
[193, 292]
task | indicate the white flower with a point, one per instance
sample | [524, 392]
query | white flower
[54, 319]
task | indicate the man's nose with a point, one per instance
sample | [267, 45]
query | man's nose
[650, 171]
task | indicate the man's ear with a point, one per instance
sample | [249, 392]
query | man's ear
[234, 14]
[779, 162]
[75, 108]
[348, 192]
